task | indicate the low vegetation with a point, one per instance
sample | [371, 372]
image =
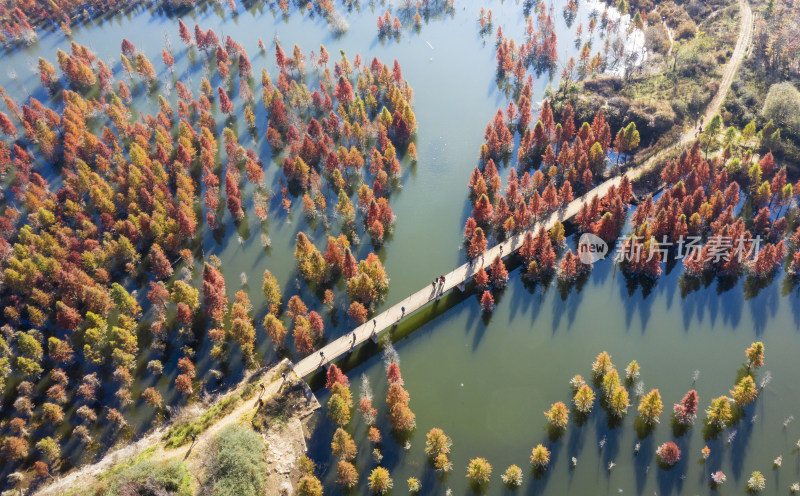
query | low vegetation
[677, 79]
[147, 477]
[181, 432]
[766, 86]
[237, 465]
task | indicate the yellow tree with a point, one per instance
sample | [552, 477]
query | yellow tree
[343, 446]
[755, 355]
[479, 471]
[602, 364]
[619, 402]
[745, 392]
[719, 413]
[557, 416]
[540, 457]
[650, 407]
[584, 399]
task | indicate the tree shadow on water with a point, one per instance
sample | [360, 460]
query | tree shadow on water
[790, 285]
[743, 425]
[608, 429]
[635, 303]
[532, 298]
[670, 478]
[576, 439]
[642, 461]
[539, 479]
[763, 303]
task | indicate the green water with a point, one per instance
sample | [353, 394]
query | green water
[486, 382]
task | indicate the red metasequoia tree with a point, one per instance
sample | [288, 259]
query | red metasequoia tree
[481, 279]
[225, 104]
[686, 410]
[343, 91]
[183, 383]
[128, 49]
[669, 453]
[215, 300]
[234, 197]
[487, 301]
[335, 376]
[185, 34]
[303, 340]
[393, 374]
[477, 244]
[357, 312]
[498, 275]
[159, 264]
[316, 324]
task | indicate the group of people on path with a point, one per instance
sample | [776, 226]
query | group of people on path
[438, 287]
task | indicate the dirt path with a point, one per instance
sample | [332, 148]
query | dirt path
[671, 39]
[745, 33]
[728, 74]
[88, 474]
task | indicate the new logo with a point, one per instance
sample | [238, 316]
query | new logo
[591, 248]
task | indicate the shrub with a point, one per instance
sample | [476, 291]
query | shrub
[687, 29]
[656, 39]
[238, 466]
[150, 477]
[783, 106]
[181, 432]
